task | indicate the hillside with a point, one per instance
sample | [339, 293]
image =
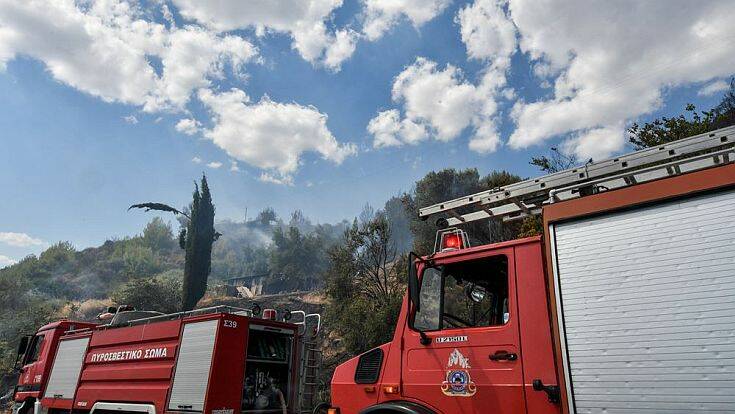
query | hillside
[146, 270]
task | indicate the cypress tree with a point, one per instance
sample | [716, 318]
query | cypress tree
[199, 239]
[196, 239]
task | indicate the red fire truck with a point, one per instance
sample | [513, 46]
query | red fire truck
[219, 360]
[625, 304]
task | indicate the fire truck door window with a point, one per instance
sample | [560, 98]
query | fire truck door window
[428, 318]
[34, 351]
[464, 295]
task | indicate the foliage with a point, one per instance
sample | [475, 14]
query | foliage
[158, 207]
[196, 238]
[59, 253]
[365, 284]
[266, 216]
[296, 260]
[21, 312]
[664, 129]
[158, 294]
[400, 223]
[448, 184]
[158, 235]
[200, 235]
[139, 260]
[556, 161]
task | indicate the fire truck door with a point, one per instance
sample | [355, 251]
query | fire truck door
[33, 364]
[469, 359]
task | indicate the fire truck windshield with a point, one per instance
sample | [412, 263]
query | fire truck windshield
[462, 295]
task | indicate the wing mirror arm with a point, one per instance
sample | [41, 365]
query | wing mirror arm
[413, 282]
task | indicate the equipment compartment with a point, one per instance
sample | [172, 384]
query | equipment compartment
[267, 371]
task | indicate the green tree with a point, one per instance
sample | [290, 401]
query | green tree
[158, 235]
[196, 238]
[554, 162]
[200, 236]
[663, 130]
[157, 294]
[59, 254]
[400, 223]
[365, 282]
[266, 217]
[448, 184]
[296, 260]
[139, 260]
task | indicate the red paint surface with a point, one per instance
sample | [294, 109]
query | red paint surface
[36, 373]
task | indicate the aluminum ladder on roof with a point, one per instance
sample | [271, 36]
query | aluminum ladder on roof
[527, 197]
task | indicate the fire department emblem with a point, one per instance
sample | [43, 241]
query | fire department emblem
[458, 382]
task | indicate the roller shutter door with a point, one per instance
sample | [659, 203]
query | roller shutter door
[192, 366]
[648, 305]
[68, 362]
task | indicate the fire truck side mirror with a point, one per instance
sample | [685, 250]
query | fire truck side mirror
[413, 281]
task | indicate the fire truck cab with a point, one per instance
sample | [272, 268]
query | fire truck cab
[219, 360]
[623, 305]
[481, 308]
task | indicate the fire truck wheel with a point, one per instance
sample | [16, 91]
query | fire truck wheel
[397, 407]
[321, 408]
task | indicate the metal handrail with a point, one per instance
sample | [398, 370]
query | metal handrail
[202, 311]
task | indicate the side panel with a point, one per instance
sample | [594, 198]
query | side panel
[647, 299]
[228, 365]
[193, 366]
[129, 364]
[67, 365]
[535, 328]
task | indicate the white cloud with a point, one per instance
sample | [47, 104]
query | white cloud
[214, 164]
[605, 78]
[385, 128]
[6, 261]
[304, 20]
[345, 42]
[382, 15]
[196, 160]
[487, 32]
[441, 99]
[234, 167]
[713, 88]
[390, 131]
[103, 48]
[273, 179]
[595, 143]
[188, 126]
[601, 79]
[441, 103]
[270, 135]
[130, 119]
[19, 239]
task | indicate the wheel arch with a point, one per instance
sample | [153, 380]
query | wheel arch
[398, 407]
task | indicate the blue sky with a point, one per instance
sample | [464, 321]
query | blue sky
[363, 99]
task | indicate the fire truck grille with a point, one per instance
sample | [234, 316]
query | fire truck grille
[368, 367]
